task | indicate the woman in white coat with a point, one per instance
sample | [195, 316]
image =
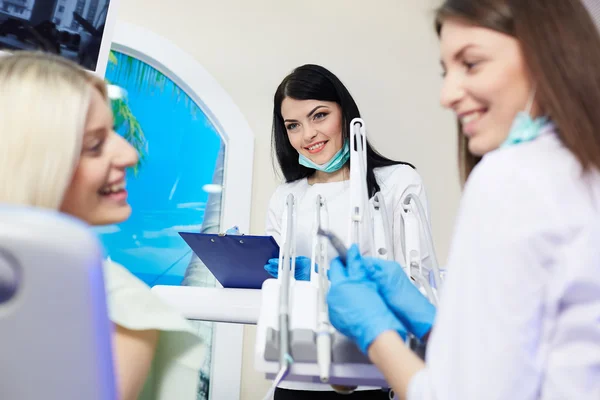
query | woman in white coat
[311, 118]
[519, 316]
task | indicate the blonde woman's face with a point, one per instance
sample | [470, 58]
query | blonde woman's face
[97, 192]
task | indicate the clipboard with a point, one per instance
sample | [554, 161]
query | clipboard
[236, 261]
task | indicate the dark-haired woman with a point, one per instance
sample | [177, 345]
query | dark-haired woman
[311, 118]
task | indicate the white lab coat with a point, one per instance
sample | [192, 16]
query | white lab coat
[519, 316]
[393, 181]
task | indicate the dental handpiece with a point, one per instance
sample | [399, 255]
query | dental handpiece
[337, 244]
[340, 248]
[323, 337]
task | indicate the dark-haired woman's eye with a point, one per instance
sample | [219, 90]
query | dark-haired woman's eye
[320, 115]
[291, 127]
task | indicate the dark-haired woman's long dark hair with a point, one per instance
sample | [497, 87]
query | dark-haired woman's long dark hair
[313, 82]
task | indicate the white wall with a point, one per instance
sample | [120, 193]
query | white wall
[386, 54]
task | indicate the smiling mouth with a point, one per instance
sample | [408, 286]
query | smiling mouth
[317, 147]
[113, 189]
[469, 120]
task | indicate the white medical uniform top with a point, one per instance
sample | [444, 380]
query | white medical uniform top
[519, 315]
[179, 354]
[393, 181]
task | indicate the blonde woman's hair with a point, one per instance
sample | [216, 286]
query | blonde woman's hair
[44, 101]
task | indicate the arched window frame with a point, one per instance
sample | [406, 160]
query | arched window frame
[187, 73]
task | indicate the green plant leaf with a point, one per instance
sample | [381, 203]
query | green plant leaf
[132, 130]
[146, 78]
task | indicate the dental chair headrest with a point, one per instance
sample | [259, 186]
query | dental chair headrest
[54, 328]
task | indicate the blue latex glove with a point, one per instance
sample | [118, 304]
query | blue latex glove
[234, 230]
[401, 295]
[302, 268]
[356, 308]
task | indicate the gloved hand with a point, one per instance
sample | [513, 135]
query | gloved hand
[234, 230]
[302, 268]
[401, 295]
[356, 308]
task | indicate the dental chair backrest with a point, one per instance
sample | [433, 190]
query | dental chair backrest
[54, 329]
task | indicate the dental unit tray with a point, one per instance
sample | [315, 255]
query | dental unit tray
[349, 365]
[236, 261]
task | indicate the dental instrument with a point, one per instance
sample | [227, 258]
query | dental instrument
[286, 265]
[324, 329]
[414, 214]
[281, 335]
[360, 222]
[337, 244]
[382, 237]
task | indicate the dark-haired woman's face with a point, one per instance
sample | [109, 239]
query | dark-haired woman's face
[486, 82]
[314, 127]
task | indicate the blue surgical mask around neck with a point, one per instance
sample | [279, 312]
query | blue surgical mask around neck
[525, 128]
[334, 164]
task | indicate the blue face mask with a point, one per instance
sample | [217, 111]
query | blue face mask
[337, 161]
[524, 128]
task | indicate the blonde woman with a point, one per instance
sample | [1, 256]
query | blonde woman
[58, 150]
